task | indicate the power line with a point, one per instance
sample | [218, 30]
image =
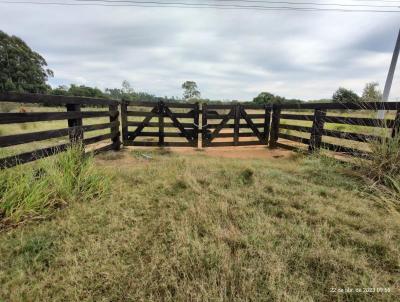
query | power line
[158, 4]
[263, 1]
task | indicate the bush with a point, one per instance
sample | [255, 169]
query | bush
[37, 190]
[384, 164]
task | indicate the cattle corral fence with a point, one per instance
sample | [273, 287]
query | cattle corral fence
[339, 127]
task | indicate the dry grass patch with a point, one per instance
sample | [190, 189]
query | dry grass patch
[194, 228]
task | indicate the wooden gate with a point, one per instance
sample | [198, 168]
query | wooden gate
[160, 124]
[250, 125]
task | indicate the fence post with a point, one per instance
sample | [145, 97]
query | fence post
[267, 121]
[276, 116]
[204, 126]
[161, 133]
[237, 125]
[76, 135]
[116, 142]
[196, 121]
[124, 121]
[316, 130]
[396, 126]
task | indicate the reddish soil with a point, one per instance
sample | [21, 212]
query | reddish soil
[232, 152]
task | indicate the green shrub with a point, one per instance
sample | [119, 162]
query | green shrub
[37, 190]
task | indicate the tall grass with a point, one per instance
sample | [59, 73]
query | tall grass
[383, 166]
[37, 190]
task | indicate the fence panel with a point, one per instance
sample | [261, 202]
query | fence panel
[74, 117]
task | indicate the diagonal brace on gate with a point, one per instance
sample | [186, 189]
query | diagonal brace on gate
[144, 124]
[178, 125]
[221, 125]
[253, 127]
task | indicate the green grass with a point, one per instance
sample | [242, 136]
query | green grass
[195, 228]
[39, 189]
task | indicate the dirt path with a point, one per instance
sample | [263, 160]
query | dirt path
[237, 152]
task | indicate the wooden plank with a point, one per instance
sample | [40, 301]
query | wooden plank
[236, 123]
[296, 128]
[142, 124]
[359, 121]
[300, 117]
[276, 115]
[99, 138]
[13, 118]
[252, 126]
[161, 133]
[204, 126]
[153, 104]
[155, 124]
[142, 113]
[294, 138]
[221, 125]
[316, 130]
[249, 134]
[267, 122]
[156, 134]
[75, 123]
[178, 125]
[196, 122]
[55, 100]
[155, 114]
[216, 116]
[124, 120]
[351, 136]
[24, 138]
[232, 126]
[256, 116]
[115, 140]
[26, 157]
[231, 105]
[347, 150]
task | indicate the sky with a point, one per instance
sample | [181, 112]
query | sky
[230, 54]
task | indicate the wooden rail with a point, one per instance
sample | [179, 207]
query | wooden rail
[324, 118]
[315, 125]
[73, 116]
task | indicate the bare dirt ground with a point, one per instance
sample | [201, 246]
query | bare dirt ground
[252, 152]
[236, 152]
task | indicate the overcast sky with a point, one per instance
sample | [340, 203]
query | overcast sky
[231, 54]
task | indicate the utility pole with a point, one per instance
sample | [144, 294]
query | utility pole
[389, 79]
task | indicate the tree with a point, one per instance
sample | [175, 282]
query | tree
[190, 90]
[127, 88]
[343, 95]
[269, 99]
[21, 68]
[371, 93]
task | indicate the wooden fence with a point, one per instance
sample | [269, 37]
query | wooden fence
[345, 128]
[71, 113]
[235, 125]
[162, 124]
[325, 120]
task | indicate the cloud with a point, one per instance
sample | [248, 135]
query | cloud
[230, 54]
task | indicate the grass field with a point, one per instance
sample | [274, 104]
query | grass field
[196, 228]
